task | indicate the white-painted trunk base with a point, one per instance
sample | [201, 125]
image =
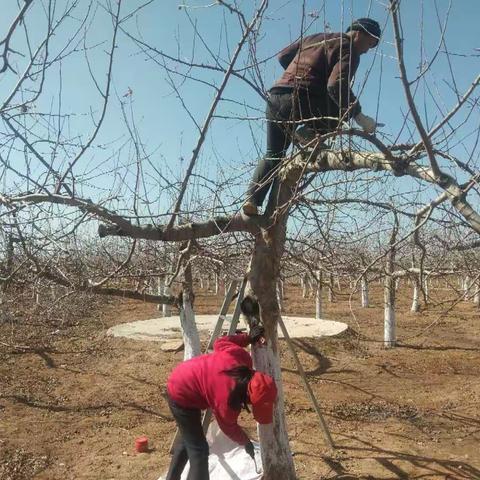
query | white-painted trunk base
[275, 447]
[415, 300]
[364, 287]
[191, 338]
[390, 326]
[318, 302]
[476, 296]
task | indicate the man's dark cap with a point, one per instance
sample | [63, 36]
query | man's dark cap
[366, 25]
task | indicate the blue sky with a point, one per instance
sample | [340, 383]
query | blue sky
[233, 146]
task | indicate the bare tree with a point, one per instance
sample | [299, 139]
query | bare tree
[57, 185]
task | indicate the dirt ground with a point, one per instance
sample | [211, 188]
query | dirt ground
[72, 410]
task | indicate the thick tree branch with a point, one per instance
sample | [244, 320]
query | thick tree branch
[187, 231]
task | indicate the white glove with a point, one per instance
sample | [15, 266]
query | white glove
[368, 124]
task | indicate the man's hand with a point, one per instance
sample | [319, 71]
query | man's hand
[368, 124]
[256, 333]
[250, 449]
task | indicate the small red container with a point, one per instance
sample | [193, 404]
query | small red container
[141, 444]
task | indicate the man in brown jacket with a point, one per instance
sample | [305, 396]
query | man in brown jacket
[315, 85]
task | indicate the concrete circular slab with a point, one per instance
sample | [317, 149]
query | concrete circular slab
[167, 329]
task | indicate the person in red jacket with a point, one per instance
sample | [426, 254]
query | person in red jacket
[319, 70]
[225, 382]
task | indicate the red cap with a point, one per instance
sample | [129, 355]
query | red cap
[262, 392]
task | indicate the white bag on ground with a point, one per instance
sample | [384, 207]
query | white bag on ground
[228, 460]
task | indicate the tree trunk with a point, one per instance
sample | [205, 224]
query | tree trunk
[415, 301]
[364, 287]
[166, 309]
[389, 292]
[305, 285]
[264, 272]
[8, 265]
[466, 286]
[330, 288]
[318, 296]
[476, 296]
[426, 287]
[389, 314]
[191, 338]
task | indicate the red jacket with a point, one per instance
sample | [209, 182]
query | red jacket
[200, 382]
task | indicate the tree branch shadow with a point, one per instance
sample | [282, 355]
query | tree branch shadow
[390, 460]
[84, 408]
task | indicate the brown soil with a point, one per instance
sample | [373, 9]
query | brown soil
[72, 410]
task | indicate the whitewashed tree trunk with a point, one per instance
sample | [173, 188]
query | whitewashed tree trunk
[476, 296]
[318, 295]
[275, 447]
[397, 284]
[277, 457]
[36, 293]
[202, 283]
[191, 338]
[330, 288]
[339, 287]
[426, 287]
[364, 287]
[224, 283]
[466, 286]
[416, 296]
[389, 312]
[390, 335]
[216, 284]
[8, 265]
[166, 309]
[159, 291]
[305, 286]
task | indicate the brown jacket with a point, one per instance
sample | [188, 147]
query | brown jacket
[324, 64]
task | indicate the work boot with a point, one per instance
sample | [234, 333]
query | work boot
[249, 208]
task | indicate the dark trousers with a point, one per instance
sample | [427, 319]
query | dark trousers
[192, 444]
[283, 106]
